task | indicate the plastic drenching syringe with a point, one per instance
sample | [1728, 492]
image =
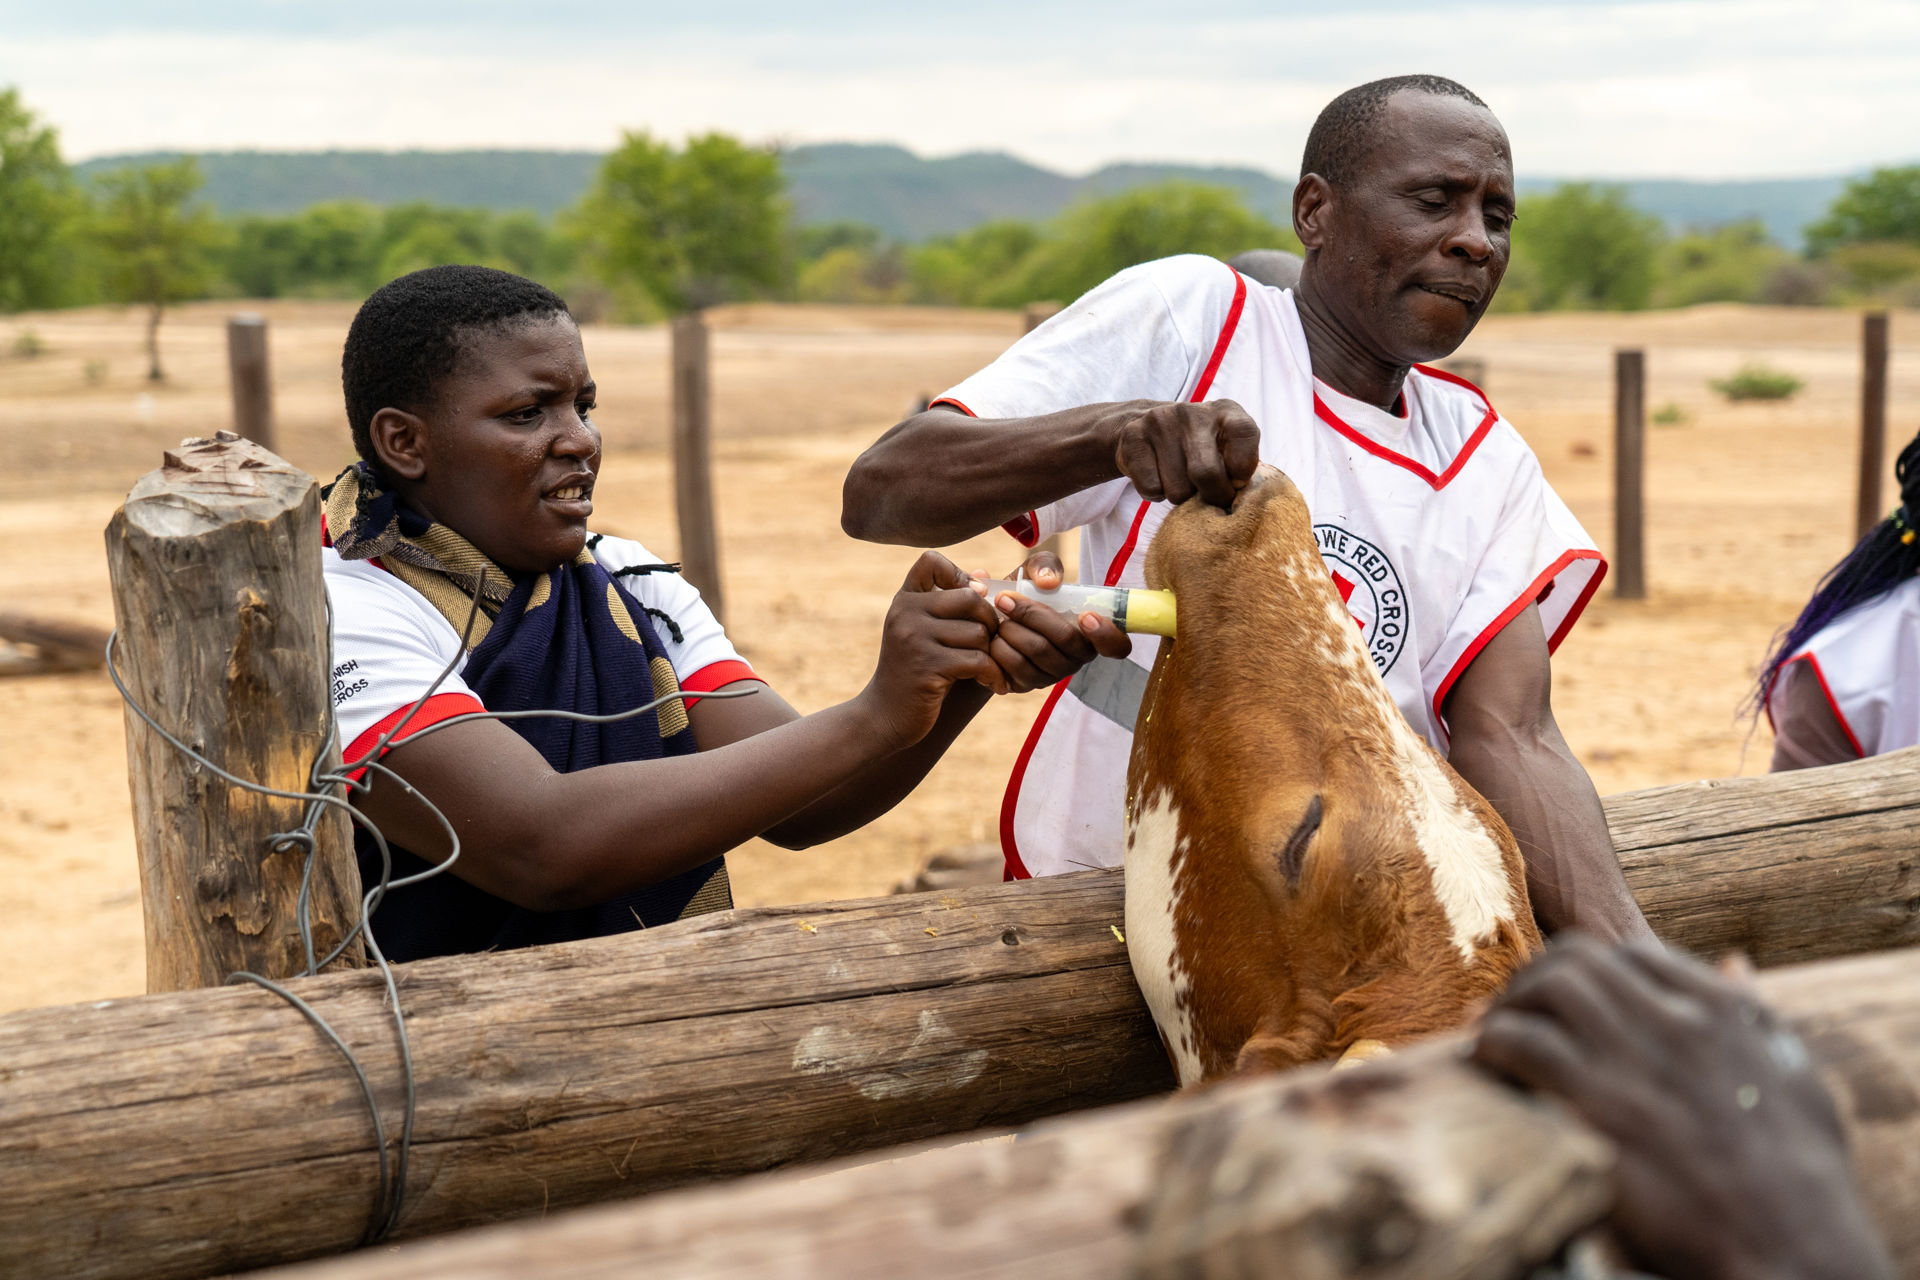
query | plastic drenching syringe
[1135, 610]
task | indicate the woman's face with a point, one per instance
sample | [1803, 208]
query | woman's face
[510, 451]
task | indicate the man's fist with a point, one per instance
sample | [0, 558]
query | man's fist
[1174, 451]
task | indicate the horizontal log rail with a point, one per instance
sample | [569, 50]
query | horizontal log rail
[1414, 1168]
[199, 1132]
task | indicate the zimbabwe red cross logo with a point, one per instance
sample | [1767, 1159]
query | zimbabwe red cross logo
[1371, 587]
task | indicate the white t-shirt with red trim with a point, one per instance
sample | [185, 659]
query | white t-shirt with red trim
[1867, 662]
[1436, 523]
[389, 643]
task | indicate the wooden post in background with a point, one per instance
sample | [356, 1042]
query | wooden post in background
[251, 376]
[693, 458]
[215, 560]
[1869, 508]
[1035, 314]
[1629, 474]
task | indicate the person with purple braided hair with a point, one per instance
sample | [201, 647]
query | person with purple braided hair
[1843, 682]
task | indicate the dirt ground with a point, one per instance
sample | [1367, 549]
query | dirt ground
[1747, 505]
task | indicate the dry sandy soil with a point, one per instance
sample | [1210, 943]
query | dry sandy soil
[1747, 506]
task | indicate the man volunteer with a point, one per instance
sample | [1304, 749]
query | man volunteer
[1460, 565]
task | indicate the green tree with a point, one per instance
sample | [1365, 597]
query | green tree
[1095, 239]
[1884, 205]
[1584, 248]
[331, 249]
[965, 269]
[690, 228]
[1733, 263]
[156, 242]
[41, 211]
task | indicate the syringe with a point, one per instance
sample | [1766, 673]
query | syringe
[1135, 610]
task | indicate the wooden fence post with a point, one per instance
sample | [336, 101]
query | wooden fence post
[252, 378]
[1629, 474]
[215, 561]
[693, 458]
[1868, 508]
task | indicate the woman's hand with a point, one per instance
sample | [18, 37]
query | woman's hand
[1037, 645]
[937, 633]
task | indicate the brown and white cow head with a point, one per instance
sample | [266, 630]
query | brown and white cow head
[1304, 872]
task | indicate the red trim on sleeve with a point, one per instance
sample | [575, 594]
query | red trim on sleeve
[1512, 611]
[1025, 529]
[955, 403]
[441, 706]
[1579, 605]
[717, 675]
[1833, 704]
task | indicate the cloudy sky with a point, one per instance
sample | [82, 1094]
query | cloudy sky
[1610, 88]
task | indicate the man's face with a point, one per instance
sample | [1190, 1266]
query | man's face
[1412, 246]
[510, 448]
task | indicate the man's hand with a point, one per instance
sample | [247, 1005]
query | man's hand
[1174, 451]
[936, 634]
[1038, 645]
[1732, 1162]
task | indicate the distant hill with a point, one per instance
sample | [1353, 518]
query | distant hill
[543, 182]
[907, 196]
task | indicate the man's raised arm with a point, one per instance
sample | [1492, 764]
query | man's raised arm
[942, 476]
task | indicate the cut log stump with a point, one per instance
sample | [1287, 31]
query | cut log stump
[222, 620]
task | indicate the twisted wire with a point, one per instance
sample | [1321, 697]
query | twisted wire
[323, 789]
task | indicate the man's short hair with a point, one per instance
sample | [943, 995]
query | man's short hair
[1343, 135]
[409, 334]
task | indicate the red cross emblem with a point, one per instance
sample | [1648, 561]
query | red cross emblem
[1344, 586]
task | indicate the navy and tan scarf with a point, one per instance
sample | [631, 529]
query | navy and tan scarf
[570, 639]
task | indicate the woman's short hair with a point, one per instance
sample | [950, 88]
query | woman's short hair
[409, 335]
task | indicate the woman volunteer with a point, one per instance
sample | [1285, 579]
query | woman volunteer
[470, 404]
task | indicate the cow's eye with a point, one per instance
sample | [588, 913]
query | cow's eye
[1294, 853]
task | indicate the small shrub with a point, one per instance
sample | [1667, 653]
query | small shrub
[1671, 415]
[94, 372]
[1757, 382]
[27, 345]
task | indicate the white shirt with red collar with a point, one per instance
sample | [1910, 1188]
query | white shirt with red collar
[1867, 666]
[1436, 523]
[390, 644]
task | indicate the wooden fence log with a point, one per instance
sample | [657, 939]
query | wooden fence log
[1414, 1167]
[222, 617]
[60, 645]
[202, 1132]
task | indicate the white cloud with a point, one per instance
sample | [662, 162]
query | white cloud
[1697, 88]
